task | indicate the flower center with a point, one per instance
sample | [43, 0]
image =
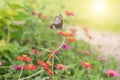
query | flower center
[25, 56]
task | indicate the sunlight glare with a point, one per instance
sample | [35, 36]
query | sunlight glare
[99, 7]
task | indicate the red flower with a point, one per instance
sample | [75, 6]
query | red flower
[50, 72]
[30, 67]
[87, 65]
[71, 39]
[24, 58]
[61, 67]
[65, 34]
[69, 13]
[46, 66]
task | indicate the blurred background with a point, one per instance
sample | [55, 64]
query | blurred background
[98, 14]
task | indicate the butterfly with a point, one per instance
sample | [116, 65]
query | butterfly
[58, 22]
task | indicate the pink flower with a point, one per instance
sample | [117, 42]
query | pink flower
[0, 63]
[34, 51]
[65, 46]
[17, 67]
[61, 67]
[112, 73]
[86, 52]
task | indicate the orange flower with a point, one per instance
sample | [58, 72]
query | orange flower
[65, 34]
[87, 65]
[69, 13]
[30, 67]
[71, 39]
[24, 58]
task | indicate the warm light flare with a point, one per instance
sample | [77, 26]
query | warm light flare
[99, 7]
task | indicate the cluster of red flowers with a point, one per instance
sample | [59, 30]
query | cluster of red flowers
[30, 67]
[24, 58]
[46, 66]
[66, 34]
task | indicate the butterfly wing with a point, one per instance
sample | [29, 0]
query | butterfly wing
[58, 22]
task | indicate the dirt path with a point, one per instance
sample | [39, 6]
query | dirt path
[106, 43]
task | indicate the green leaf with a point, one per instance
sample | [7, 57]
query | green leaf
[8, 58]
[14, 6]
[8, 75]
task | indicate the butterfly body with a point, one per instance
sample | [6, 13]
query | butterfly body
[58, 22]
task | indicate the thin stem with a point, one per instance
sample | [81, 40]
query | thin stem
[41, 75]
[52, 63]
[5, 66]
[57, 49]
[45, 49]
[76, 72]
[20, 73]
[58, 59]
[31, 75]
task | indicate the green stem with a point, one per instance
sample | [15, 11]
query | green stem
[58, 59]
[76, 72]
[31, 75]
[44, 49]
[52, 63]
[5, 66]
[20, 73]
[57, 48]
